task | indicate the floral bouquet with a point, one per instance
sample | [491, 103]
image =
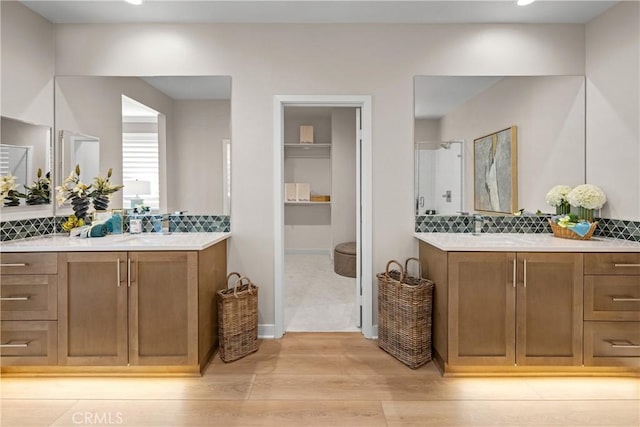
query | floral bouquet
[76, 191]
[102, 190]
[586, 198]
[557, 197]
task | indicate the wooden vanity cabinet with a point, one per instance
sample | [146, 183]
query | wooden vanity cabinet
[154, 310]
[92, 300]
[28, 309]
[612, 310]
[505, 311]
[515, 308]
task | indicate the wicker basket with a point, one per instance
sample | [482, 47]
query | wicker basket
[565, 233]
[404, 315]
[238, 319]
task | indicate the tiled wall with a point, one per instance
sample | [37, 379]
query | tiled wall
[11, 230]
[619, 229]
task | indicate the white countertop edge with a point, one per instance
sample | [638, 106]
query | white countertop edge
[117, 242]
[523, 242]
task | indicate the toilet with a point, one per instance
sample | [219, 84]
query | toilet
[344, 259]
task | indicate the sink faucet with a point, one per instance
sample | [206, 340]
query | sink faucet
[478, 222]
[161, 224]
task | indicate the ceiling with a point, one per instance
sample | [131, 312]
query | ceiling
[325, 11]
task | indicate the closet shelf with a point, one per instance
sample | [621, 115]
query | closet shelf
[307, 203]
[311, 151]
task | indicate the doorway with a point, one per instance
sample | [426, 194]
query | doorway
[363, 195]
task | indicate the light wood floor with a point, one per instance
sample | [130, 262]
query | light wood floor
[320, 379]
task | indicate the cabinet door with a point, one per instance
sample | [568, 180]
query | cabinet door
[481, 308]
[163, 308]
[92, 308]
[549, 309]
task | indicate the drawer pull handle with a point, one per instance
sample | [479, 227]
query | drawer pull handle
[626, 265]
[624, 344]
[15, 345]
[525, 273]
[14, 298]
[18, 264]
[118, 272]
[624, 299]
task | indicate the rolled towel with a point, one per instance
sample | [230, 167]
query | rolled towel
[581, 228]
[109, 225]
[98, 230]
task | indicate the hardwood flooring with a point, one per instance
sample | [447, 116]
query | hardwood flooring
[319, 379]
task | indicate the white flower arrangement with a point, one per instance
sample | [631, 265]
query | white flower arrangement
[587, 196]
[557, 195]
[72, 187]
[7, 185]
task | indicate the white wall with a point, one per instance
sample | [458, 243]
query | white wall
[613, 108]
[195, 156]
[27, 65]
[549, 114]
[265, 60]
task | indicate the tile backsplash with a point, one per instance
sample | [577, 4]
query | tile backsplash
[20, 229]
[619, 229]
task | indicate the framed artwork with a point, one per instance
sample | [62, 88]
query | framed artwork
[495, 171]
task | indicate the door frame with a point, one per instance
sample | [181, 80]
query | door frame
[364, 213]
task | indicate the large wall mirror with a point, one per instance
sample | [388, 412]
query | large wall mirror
[167, 138]
[453, 111]
[25, 167]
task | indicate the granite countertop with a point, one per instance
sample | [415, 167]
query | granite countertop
[116, 242]
[521, 242]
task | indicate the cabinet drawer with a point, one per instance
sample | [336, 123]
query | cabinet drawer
[28, 297]
[612, 344]
[29, 263]
[612, 297]
[28, 343]
[612, 263]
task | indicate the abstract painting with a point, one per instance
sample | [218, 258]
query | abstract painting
[495, 171]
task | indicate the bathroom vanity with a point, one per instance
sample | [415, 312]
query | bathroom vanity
[533, 303]
[121, 304]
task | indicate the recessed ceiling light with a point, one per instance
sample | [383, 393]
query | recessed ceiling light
[136, 2]
[525, 2]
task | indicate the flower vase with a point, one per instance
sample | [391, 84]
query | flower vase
[585, 214]
[11, 201]
[80, 206]
[101, 202]
[563, 208]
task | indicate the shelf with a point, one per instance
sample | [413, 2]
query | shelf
[307, 203]
[308, 151]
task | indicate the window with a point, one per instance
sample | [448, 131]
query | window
[140, 152]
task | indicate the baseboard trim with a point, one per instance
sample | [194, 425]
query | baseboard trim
[303, 251]
[266, 331]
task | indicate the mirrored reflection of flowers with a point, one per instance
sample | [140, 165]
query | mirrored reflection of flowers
[8, 190]
[40, 192]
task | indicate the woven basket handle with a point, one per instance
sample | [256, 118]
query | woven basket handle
[233, 273]
[239, 283]
[393, 261]
[406, 266]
